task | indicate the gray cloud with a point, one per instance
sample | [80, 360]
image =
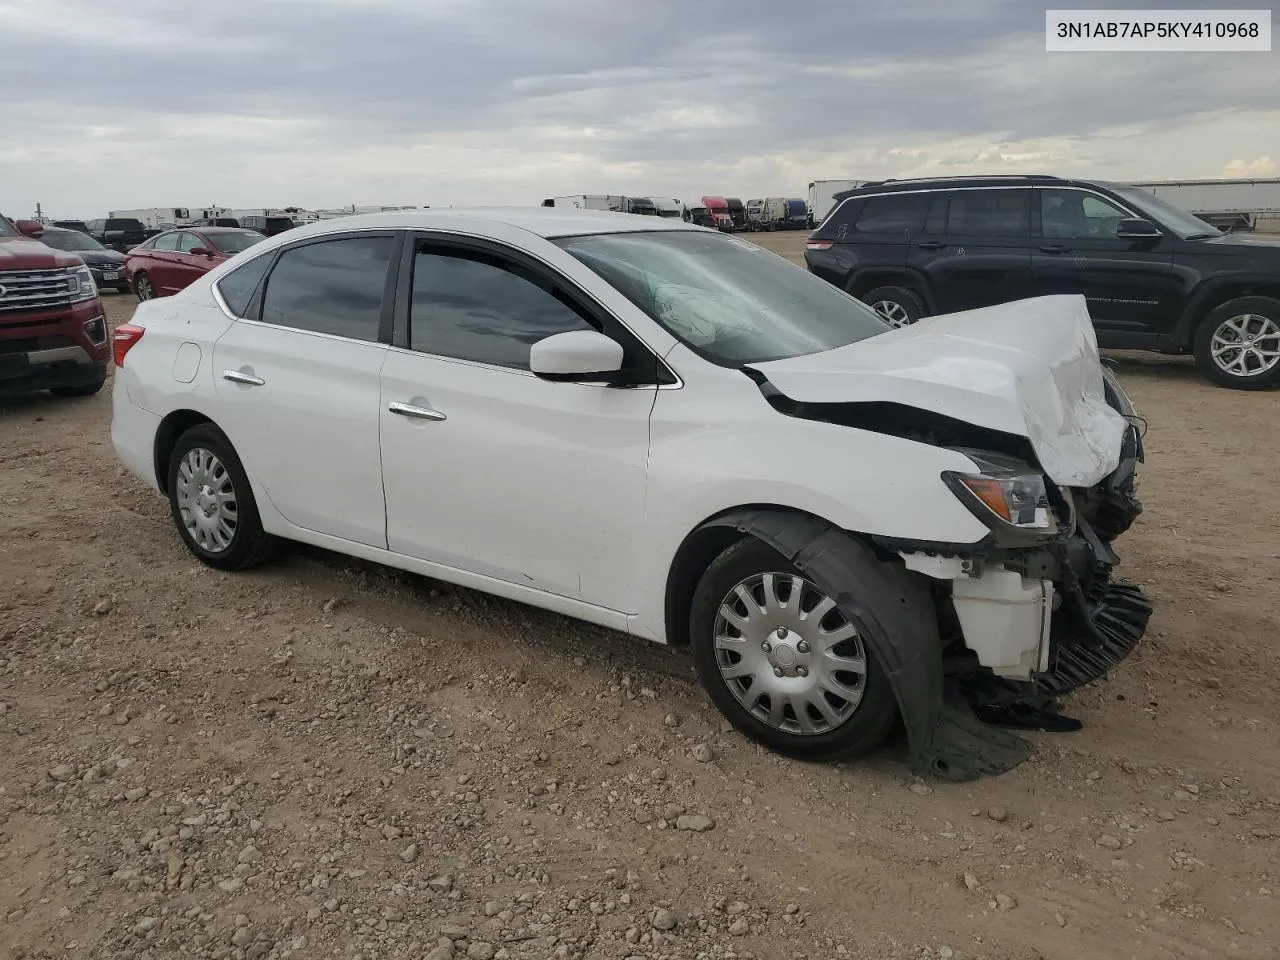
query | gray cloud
[483, 89]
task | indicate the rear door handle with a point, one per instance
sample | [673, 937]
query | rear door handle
[235, 376]
[930, 245]
[1054, 248]
[417, 413]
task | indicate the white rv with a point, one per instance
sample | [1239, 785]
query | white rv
[1230, 204]
[822, 197]
[166, 218]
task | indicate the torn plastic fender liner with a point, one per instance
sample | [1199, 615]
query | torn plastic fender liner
[893, 609]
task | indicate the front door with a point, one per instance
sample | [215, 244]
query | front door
[298, 386]
[1129, 285]
[486, 467]
[975, 248]
[187, 265]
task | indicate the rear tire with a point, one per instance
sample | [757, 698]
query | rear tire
[1252, 322]
[863, 710]
[143, 288]
[898, 306]
[212, 502]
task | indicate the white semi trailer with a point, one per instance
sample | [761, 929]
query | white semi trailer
[822, 197]
[1230, 204]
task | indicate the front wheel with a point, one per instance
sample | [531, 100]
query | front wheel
[1238, 344]
[212, 503]
[782, 661]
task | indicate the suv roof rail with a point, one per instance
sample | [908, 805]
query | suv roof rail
[965, 176]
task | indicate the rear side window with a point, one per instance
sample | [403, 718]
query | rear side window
[901, 213]
[168, 241]
[990, 213]
[238, 286]
[333, 287]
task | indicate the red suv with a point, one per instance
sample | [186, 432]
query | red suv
[53, 333]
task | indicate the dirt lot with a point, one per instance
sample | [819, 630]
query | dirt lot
[324, 759]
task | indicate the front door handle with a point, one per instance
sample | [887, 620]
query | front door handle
[235, 376]
[418, 413]
[1054, 248]
[930, 245]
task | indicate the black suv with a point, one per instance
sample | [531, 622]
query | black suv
[118, 233]
[1154, 277]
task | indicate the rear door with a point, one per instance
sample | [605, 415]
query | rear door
[297, 383]
[976, 248]
[870, 238]
[1129, 285]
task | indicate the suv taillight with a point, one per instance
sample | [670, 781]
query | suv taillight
[122, 341]
[819, 245]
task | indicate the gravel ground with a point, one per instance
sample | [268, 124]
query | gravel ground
[329, 759]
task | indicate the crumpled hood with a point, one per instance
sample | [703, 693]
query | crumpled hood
[1029, 367]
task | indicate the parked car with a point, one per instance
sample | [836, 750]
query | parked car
[376, 385]
[1155, 277]
[118, 233]
[107, 266]
[53, 333]
[169, 262]
[267, 226]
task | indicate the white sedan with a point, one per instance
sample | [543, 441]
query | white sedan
[675, 433]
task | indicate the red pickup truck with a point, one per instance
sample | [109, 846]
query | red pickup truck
[53, 331]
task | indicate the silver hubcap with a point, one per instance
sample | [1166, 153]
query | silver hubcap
[788, 654]
[144, 288]
[207, 500]
[1247, 345]
[893, 312]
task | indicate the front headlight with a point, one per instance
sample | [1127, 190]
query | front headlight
[1006, 495]
[82, 285]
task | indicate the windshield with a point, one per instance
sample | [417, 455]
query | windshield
[234, 242]
[70, 240]
[1185, 225]
[728, 300]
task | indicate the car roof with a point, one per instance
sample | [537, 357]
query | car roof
[546, 222]
[975, 180]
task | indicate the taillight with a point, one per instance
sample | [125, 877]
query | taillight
[819, 244]
[123, 339]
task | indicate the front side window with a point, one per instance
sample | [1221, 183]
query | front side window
[478, 307]
[168, 241]
[1076, 215]
[989, 213]
[730, 301]
[188, 242]
[334, 287]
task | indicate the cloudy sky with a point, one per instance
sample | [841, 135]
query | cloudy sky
[327, 102]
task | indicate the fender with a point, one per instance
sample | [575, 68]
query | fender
[894, 610]
[915, 278]
[1205, 298]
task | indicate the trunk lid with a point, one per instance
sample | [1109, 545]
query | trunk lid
[1029, 367]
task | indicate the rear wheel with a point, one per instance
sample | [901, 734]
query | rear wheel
[212, 503]
[1238, 344]
[781, 660]
[899, 306]
[142, 287]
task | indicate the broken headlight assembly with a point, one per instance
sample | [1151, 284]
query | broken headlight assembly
[1012, 498]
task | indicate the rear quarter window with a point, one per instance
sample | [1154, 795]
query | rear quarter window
[238, 288]
[990, 213]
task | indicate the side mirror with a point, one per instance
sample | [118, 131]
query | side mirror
[30, 228]
[578, 355]
[1136, 229]
[200, 252]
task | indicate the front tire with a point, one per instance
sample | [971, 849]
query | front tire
[897, 306]
[1238, 344]
[782, 662]
[212, 502]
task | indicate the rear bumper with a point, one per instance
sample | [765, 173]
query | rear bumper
[133, 434]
